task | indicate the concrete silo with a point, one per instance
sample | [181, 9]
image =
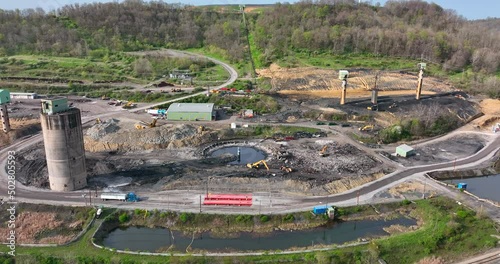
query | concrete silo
[63, 139]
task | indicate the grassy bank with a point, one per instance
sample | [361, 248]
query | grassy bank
[108, 67]
[449, 230]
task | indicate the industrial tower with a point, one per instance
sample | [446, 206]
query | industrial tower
[63, 140]
[4, 115]
[343, 75]
[421, 67]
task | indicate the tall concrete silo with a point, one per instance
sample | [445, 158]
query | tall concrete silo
[63, 139]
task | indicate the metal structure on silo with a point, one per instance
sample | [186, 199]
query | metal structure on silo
[64, 149]
[4, 115]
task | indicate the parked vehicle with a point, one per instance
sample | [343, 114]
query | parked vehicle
[126, 197]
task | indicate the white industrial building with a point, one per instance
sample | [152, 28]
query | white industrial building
[23, 96]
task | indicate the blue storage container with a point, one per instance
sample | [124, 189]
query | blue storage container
[320, 209]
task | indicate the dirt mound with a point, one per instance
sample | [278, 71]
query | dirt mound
[100, 130]
[21, 127]
[339, 159]
[170, 137]
[311, 78]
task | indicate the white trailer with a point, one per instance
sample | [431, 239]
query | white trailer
[114, 196]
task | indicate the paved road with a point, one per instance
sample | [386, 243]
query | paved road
[188, 200]
[491, 148]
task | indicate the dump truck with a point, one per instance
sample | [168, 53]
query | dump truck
[125, 197]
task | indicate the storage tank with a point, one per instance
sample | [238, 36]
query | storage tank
[63, 140]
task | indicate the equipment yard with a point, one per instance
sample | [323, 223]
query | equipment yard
[177, 155]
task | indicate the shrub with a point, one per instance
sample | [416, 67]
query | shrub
[264, 218]
[137, 211]
[184, 217]
[243, 218]
[123, 218]
[288, 218]
[405, 202]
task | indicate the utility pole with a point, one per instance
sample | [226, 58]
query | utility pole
[425, 183]
[90, 197]
[200, 203]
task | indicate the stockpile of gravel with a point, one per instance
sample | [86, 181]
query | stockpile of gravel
[100, 130]
[164, 136]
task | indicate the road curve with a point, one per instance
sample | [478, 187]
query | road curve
[491, 148]
[233, 75]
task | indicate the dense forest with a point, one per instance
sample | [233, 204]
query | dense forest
[400, 28]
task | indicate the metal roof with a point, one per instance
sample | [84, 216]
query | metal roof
[405, 148]
[191, 107]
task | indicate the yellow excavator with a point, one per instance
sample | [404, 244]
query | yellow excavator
[322, 152]
[256, 165]
[98, 121]
[143, 125]
[366, 128]
[128, 105]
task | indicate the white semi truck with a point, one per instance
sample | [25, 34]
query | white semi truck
[128, 197]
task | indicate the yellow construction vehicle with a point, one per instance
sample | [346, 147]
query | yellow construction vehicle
[322, 152]
[129, 104]
[201, 129]
[98, 121]
[286, 169]
[143, 125]
[366, 128]
[153, 124]
[256, 165]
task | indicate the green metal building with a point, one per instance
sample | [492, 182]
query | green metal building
[53, 106]
[191, 112]
[405, 151]
[4, 96]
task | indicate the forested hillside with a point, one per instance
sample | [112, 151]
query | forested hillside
[409, 29]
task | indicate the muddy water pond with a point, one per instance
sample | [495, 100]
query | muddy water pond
[247, 154]
[484, 187]
[153, 239]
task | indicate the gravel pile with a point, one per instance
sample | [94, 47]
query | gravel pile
[339, 159]
[100, 130]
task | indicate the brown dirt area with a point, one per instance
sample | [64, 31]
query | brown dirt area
[20, 127]
[44, 224]
[311, 78]
[491, 111]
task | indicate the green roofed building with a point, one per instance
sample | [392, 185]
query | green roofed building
[191, 112]
[405, 151]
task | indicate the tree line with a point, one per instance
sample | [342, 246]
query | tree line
[413, 29]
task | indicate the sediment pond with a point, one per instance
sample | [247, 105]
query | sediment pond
[155, 239]
[247, 154]
[484, 187]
